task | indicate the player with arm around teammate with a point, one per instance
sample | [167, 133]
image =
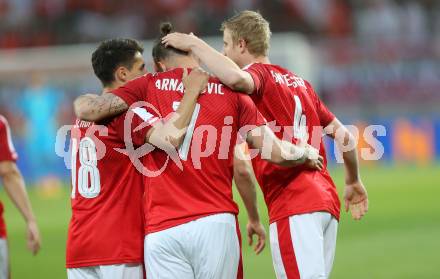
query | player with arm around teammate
[191, 229]
[105, 238]
[303, 205]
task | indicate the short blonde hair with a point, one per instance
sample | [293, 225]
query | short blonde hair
[251, 27]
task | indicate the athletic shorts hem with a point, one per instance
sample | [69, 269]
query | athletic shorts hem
[299, 211]
[104, 262]
[181, 221]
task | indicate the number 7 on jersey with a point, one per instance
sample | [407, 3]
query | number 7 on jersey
[184, 147]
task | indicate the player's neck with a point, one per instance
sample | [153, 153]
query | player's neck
[250, 59]
[111, 87]
[182, 62]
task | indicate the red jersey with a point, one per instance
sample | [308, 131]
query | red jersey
[203, 186]
[7, 153]
[291, 102]
[106, 226]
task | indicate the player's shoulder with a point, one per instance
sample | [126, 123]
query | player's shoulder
[140, 80]
[256, 66]
[308, 86]
[283, 70]
[300, 81]
[265, 66]
[173, 73]
[3, 120]
[272, 71]
[3, 123]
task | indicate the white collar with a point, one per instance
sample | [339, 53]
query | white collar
[247, 66]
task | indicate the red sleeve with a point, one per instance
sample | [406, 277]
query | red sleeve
[258, 74]
[248, 112]
[324, 114]
[135, 123]
[7, 150]
[134, 90]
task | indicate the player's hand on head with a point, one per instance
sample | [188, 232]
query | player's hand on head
[258, 229]
[180, 40]
[196, 81]
[356, 199]
[33, 237]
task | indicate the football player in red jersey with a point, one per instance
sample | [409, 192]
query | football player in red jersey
[190, 228]
[105, 238]
[15, 188]
[303, 205]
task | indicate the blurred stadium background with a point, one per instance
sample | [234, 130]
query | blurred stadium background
[373, 62]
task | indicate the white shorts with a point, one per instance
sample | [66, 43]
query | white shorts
[303, 246]
[207, 248]
[4, 259]
[116, 271]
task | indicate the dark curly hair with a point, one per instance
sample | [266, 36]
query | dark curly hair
[111, 54]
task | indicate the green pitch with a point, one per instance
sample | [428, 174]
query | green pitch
[399, 238]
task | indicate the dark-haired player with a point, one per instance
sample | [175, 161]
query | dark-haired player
[303, 205]
[191, 229]
[105, 237]
[14, 185]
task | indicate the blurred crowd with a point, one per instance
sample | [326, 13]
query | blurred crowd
[48, 22]
[34, 112]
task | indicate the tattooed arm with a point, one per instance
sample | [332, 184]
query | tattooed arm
[93, 108]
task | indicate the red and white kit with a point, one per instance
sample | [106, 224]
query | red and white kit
[7, 153]
[190, 211]
[291, 102]
[106, 228]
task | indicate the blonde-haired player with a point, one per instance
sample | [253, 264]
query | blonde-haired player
[303, 205]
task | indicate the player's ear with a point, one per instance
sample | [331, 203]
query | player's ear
[242, 45]
[159, 67]
[121, 74]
